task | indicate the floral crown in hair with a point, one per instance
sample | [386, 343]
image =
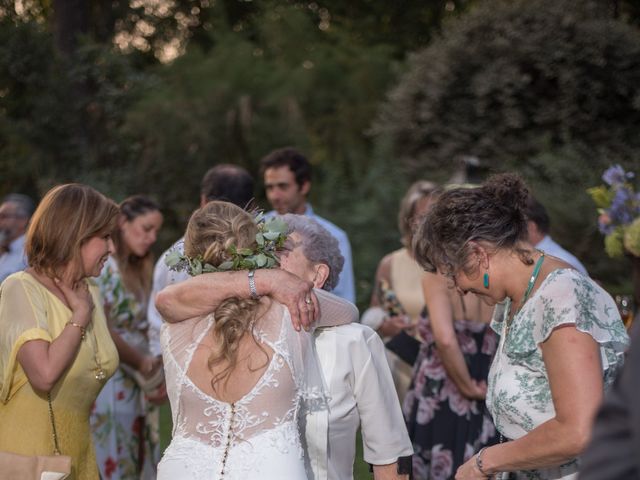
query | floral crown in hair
[270, 238]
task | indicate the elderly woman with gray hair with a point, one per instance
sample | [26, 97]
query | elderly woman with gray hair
[351, 358]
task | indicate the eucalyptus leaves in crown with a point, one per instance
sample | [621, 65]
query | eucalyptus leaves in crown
[272, 234]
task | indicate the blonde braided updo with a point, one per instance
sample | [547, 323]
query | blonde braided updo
[211, 232]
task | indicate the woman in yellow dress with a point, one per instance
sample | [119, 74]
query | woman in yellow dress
[54, 334]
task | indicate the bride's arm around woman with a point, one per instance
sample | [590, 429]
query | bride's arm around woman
[237, 374]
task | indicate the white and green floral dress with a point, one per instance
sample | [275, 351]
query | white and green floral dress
[519, 396]
[123, 424]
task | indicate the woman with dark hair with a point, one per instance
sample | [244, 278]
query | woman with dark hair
[561, 338]
[55, 348]
[125, 436]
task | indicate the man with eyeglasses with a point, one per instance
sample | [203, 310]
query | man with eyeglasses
[15, 212]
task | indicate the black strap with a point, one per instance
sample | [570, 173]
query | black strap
[405, 466]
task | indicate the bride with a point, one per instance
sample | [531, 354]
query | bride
[239, 377]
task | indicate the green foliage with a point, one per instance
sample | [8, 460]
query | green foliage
[270, 238]
[369, 213]
[601, 196]
[406, 25]
[548, 88]
[535, 86]
[632, 238]
[510, 77]
[558, 178]
[253, 78]
[238, 101]
[31, 126]
[59, 117]
[614, 243]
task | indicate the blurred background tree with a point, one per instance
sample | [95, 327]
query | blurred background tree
[548, 88]
[141, 96]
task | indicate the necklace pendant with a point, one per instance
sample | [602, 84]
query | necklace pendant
[101, 375]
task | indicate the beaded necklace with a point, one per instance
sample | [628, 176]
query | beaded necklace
[100, 375]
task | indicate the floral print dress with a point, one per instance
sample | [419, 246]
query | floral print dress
[124, 426]
[519, 395]
[445, 427]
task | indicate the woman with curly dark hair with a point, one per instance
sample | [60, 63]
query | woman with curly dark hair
[561, 338]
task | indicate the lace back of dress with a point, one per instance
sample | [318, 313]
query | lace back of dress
[271, 402]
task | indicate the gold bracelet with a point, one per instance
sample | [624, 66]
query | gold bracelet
[77, 325]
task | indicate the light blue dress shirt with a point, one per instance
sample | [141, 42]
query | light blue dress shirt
[547, 245]
[163, 276]
[14, 260]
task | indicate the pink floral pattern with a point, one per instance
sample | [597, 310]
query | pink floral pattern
[441, 463]
[459, 404]
[427, 408]
[447, 428]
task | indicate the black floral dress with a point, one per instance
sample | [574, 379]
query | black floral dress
[445, 427]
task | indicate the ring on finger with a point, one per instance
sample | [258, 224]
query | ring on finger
[307, 301]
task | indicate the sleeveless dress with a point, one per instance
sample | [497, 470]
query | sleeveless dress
[519, 395]
[406, 283]
[255, 437]
[445, 427]
[124, 434]
[28, 311]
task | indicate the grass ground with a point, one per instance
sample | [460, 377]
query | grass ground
[360, 468]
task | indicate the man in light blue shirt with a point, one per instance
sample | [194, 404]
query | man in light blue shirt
[227, 182]
[538, 224]
[15, 212]
[287, 181]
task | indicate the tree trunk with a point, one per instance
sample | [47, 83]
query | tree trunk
[70, 21]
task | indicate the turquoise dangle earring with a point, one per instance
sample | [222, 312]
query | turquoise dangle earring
[485, 280]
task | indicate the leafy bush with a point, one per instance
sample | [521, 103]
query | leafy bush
[511, 77]
[545, 87]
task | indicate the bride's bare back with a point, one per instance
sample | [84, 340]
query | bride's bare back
[254, 358]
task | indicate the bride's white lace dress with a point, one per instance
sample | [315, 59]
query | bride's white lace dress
[256, 436]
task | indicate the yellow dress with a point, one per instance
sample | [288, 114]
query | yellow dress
[29, 311]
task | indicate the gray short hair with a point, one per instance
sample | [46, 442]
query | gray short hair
[25, 205]
[318, 245]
